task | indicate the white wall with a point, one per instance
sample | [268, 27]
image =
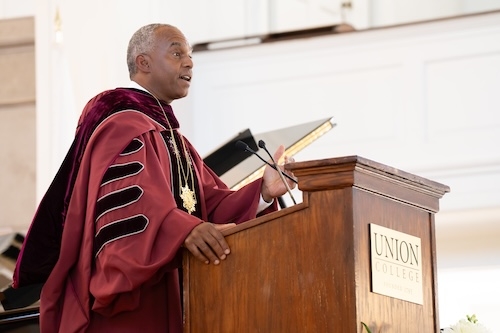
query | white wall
[16, 8]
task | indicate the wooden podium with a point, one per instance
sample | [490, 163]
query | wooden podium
[308, 268]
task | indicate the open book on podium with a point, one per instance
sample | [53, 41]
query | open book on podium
[358, 250]
[237, 168]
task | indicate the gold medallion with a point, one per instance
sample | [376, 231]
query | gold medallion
[188, 199]
[187, 195]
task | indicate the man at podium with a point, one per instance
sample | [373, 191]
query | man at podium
[130, 194]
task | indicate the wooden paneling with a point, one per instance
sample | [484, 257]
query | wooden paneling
[17, 123]
[17, 31]
[17, 65]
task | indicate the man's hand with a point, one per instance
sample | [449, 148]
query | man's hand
[206, 242]
[272, 185]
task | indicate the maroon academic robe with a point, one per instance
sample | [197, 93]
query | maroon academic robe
[117, 267]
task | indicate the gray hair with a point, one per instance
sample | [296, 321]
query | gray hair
[142, 41]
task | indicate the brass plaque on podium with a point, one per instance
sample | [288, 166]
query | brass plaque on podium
[396, 264]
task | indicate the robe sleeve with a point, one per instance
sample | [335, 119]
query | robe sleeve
[139, 229]
[225, 205]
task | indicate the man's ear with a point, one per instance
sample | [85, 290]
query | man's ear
[142, 63]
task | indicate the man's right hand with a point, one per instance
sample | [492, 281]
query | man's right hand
[207, 244]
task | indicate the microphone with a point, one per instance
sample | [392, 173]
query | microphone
[262, 145]
[243, 146]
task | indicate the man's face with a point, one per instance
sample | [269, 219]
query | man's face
[171, 65]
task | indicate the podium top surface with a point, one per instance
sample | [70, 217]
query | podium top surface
[366, 174]
[355, 162]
